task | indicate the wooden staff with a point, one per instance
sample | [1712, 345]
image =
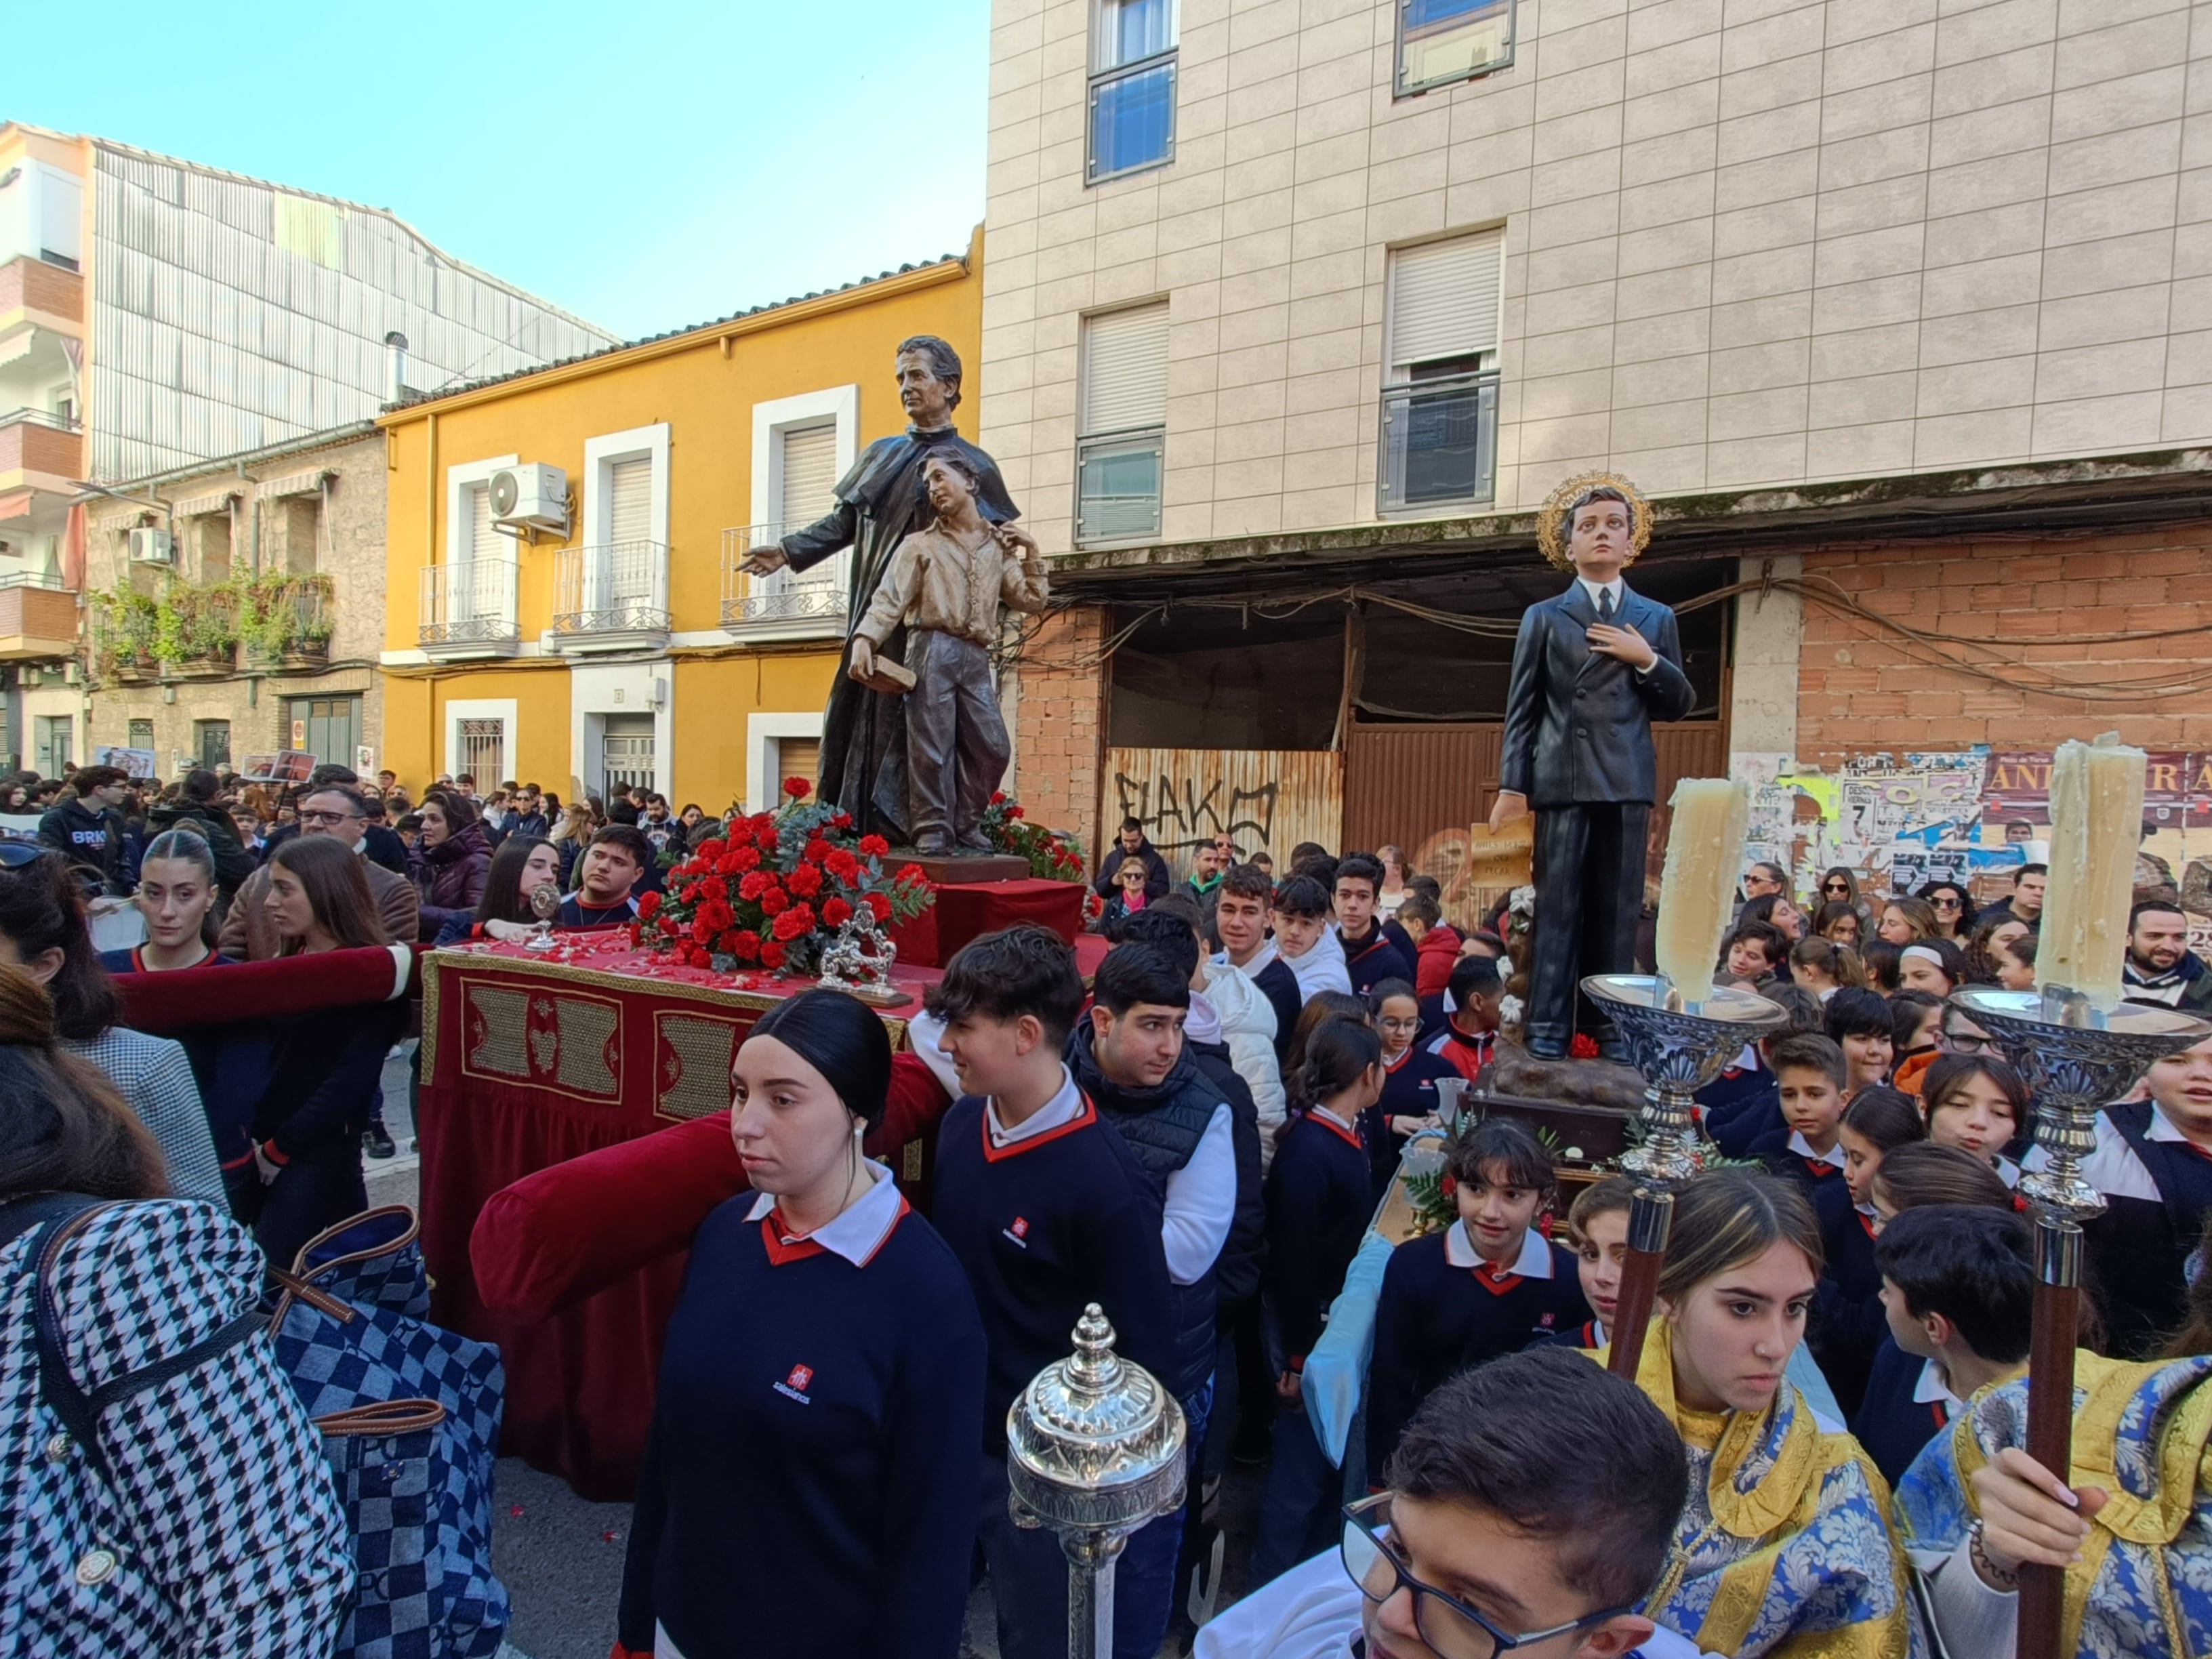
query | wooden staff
[1651, 1219]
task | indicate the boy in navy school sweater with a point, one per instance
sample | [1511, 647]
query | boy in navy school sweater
[1468, 1041]
[1371, 956]
[1808, 1074]
[1048, 1211]
[1488, 1287]
[1597, 1231]
[1958, 1284]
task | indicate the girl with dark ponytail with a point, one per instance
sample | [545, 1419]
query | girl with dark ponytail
[1319, 1199]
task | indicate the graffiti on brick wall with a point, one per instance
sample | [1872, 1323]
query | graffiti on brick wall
[1264, 800]
[1971, 816]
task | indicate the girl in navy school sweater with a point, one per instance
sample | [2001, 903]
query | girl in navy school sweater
[1409, 1099]
[1318, 1205]
[1487, 1287]
[809, 1484]
[1847, 1324]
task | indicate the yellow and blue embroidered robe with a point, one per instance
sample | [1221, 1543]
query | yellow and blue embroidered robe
[1784, 1550]
[2143, 1584]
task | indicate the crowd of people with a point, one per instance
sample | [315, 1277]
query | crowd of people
[1197, 1140]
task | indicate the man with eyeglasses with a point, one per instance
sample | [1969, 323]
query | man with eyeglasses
[331, 809]
[1487, 1541]
[1959, 1034]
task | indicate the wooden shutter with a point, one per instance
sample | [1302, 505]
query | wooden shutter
[1125, 369]
[484, 540]
[1444, 298]
[798, 757]
[629, 500]
[809, 474]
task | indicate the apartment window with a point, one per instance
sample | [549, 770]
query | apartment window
[211, 742]
[798, 757]
[806, 485]
[1440, 384]
[1440, 41]
[141, 734]
[1132, 87]
[1122, 455]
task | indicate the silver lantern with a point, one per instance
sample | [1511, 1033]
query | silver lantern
[1096, 1448]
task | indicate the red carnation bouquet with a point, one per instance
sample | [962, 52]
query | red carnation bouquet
[1052, 854]
[772, 890]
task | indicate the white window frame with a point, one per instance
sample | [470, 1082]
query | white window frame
[502, 710]
[763, 733]
[840, 404]
[598, 689]
[649, 443]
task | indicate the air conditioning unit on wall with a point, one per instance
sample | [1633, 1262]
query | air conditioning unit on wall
[530, 496]
[149, 546]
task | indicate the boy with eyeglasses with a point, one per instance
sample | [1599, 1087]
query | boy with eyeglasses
[1485, 1539]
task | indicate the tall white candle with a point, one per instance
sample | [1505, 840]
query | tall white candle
[1697, 894]
[2096, 829]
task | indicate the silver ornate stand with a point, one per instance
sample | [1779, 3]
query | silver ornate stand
[1677, 1048]
[2074, 1060]
[1095, 1449]
[858, 961]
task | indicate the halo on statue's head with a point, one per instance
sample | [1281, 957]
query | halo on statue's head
[1554, 528]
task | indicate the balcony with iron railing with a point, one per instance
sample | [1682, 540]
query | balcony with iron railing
[1439, 444]
[788, 604]
[611, 597]
[469, 609]
[40, 450]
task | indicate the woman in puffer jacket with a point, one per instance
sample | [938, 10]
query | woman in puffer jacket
[1248, 1026]
[451, 862]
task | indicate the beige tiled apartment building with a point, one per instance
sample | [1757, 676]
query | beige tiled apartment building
[1745, 242]
[1323, 297]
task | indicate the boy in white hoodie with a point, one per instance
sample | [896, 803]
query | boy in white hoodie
[1308, 945]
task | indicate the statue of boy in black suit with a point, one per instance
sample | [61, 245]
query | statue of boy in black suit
[1592, 669]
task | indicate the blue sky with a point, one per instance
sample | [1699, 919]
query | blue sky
[644, 166]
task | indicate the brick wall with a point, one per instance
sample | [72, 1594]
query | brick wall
[1861, 689]
[1059, 703]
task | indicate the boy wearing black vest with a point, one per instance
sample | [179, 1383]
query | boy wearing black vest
[2153, 1165]
[1047, 1209]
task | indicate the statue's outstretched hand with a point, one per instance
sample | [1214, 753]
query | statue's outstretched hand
[1625, 644]
[765, 561]
[1509, 806]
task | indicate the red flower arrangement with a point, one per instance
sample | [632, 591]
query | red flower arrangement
[772, 889]
[1053, 856]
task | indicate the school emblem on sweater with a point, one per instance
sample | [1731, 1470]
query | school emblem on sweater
[1019, 1232]
[794, 1386]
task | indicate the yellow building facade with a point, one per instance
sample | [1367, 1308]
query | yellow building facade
[564, 605]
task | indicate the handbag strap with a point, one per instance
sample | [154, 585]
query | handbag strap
[19, 1215]
[80, 1412]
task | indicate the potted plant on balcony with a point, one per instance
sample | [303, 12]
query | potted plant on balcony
[126, 625]
[198, 634]
[307, 608]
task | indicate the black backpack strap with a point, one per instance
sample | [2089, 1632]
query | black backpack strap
[81, 1412]
[19, 1216]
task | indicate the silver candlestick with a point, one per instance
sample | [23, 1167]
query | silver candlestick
[1095, 1449]
[2074, 1060]
[1677, 1048]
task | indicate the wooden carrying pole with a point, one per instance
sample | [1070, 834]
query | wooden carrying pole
[1651, 1218]
[2050, 1413]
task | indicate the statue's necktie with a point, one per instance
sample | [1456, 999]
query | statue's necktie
[1605, 604]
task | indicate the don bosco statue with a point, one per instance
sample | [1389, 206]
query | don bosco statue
[1592, 669]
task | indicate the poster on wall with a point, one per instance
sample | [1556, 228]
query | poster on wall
[138, 763]
[292, 766]
[364, 761]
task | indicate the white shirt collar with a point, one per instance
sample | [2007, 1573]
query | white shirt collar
[860, 1232]
[1833, 1156]
[2009, 1172]
[1261, 957]
[1931, 1387]
[1342, 1123]
[2161, 1128]
[1534, 1262]
[1063, 1109]
[1617, 587]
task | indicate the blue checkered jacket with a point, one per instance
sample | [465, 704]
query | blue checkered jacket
[218, 1531]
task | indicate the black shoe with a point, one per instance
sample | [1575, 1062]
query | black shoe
[377, 1143]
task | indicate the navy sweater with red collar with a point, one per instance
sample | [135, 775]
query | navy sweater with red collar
[809, 1484]
[1848, 1324]
[1409, 1089]
[1375, 959]
[1041, 1227]
[1890, 1422]
[1318, 1205]
[1435, 1320]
